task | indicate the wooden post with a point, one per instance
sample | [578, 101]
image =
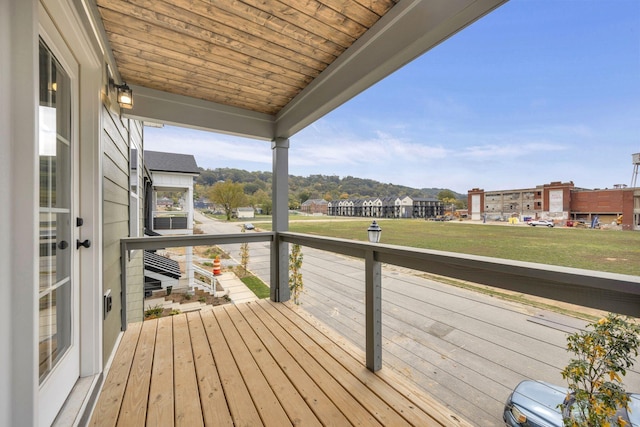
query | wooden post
[280, 220]
[373, 311]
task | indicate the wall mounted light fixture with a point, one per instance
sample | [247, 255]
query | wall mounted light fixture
[124, 96]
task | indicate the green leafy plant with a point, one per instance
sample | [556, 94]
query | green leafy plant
[174, 312]
[603, 353]
[244, 254]
[153, 311]
[296, 285]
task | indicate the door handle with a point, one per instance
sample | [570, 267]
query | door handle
[86, 243]
[63, 245]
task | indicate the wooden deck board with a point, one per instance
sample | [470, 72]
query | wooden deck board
[254, 364]
[239, 400]
[294, 404]
[107, 408]
[265, 401]
[160, 410]
[215, 411]
[355, 412]
[134, 403]
[323, 407]
[187, 398]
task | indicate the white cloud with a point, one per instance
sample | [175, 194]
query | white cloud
[210, 149]
[507, 151]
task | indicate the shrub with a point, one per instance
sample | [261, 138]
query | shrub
[296, 285]
[153, 311]
[602, 357]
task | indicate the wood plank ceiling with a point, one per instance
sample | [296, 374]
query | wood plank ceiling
[252, 54]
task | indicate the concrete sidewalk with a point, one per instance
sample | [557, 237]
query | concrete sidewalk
[233, 286]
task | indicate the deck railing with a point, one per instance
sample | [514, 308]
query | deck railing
[600, 290]
[170, 220]
[208, 280]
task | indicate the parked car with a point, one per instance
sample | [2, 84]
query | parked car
[542, 222]
[536, 404]
[248, 226]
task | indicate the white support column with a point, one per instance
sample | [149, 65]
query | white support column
[190, 272]
[189, 250]
[280, 220]
[190, 209]
[154, 207]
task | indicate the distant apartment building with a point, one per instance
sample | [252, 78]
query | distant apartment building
[559, 201]
[387, 207]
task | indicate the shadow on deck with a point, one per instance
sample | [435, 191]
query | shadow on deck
[258, 363]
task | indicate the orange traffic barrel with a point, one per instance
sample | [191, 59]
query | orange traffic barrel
[216, 267]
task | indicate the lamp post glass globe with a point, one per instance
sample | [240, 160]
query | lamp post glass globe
[374, 231]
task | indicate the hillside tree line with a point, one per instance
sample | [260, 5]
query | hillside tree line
[254, 189]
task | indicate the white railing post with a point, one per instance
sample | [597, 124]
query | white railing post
[373, 311]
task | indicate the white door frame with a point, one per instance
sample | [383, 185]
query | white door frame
[62, 24]
[59, 382]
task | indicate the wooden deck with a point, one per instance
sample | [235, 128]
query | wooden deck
[253, 364]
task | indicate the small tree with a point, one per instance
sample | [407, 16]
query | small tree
[602, 356]
[244, 254]
[295, 274]
[229, 195]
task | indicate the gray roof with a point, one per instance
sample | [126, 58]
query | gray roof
[425, 199]
[170, 162]
[315, 202]
[162, 265]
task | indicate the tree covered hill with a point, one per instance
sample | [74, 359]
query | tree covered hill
[317, 186]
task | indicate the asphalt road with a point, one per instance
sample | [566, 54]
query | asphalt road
[466, 349]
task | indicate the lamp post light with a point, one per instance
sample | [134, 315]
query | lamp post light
[374, 232]
[373, 302]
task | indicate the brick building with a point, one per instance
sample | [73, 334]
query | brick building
[558, 201]
[314, 207]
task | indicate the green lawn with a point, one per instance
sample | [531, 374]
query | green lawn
[257, 286]
[604, 250]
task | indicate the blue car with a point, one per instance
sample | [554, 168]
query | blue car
[536, 404]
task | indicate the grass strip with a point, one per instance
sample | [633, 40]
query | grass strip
[256, 286]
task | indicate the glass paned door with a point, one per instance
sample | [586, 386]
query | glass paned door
[58, 308]
[56, 249]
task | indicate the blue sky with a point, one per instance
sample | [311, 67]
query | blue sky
[537, 91]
